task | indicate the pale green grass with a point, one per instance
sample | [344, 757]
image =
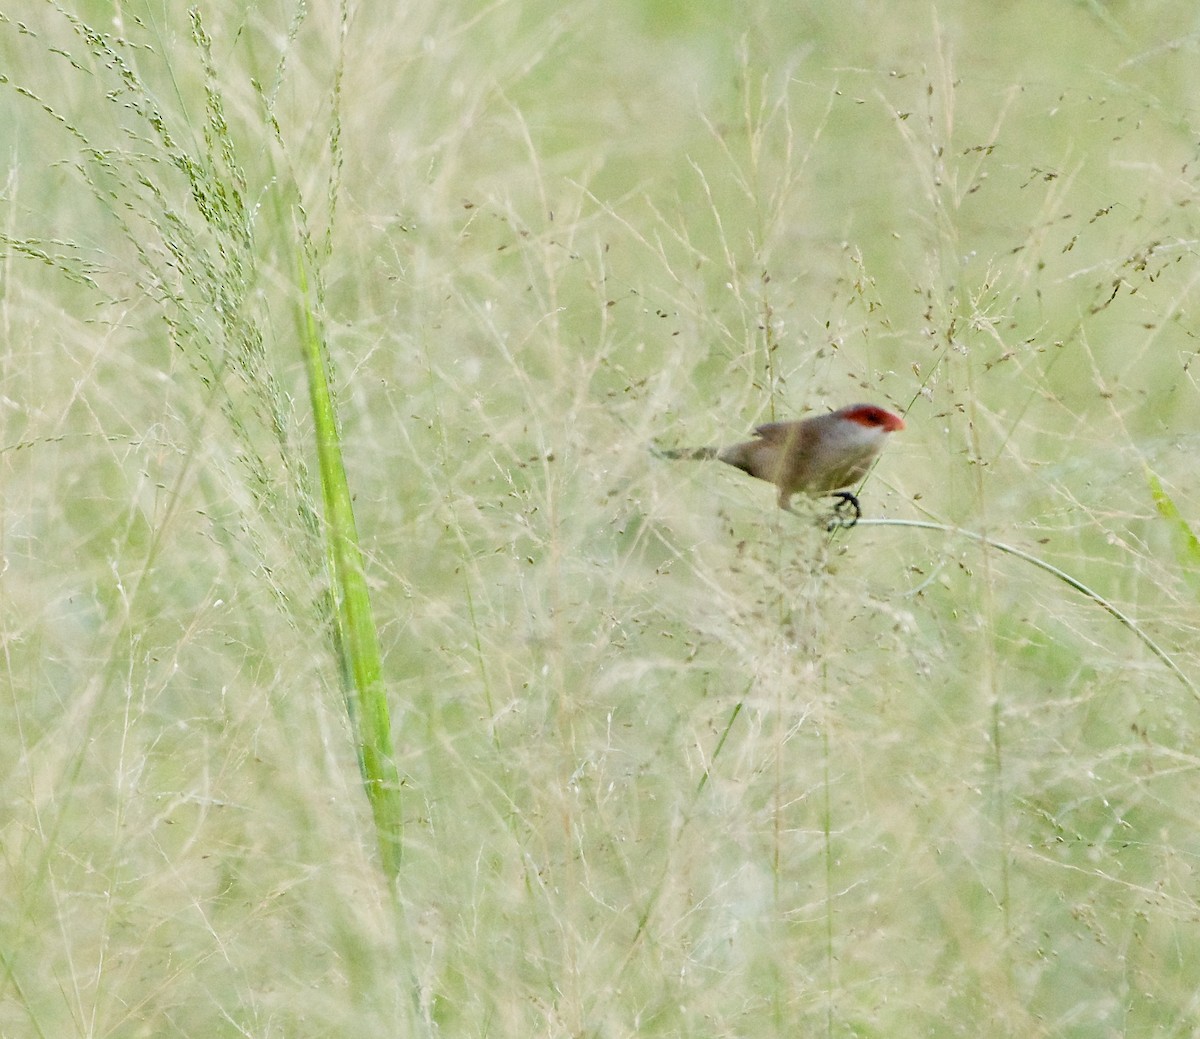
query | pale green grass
[673, 762]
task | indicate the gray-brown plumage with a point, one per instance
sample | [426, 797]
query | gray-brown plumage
[823, 454]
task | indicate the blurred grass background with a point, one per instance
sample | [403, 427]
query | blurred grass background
[674, 764]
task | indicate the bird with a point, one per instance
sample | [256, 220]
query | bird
[820, 455]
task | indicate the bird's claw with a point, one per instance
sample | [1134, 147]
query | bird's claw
[846, 512]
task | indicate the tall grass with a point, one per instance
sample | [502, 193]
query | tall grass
[673, 762]
[202, 254]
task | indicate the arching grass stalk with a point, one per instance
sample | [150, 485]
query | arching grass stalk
[1062, 575]
[353, 623]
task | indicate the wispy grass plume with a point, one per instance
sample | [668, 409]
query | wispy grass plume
[192, 222]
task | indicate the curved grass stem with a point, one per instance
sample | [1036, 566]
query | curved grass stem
[1062, 575]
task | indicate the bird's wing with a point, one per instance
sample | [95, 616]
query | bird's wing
[778, 432]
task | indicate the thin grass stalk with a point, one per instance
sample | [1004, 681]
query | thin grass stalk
[1063, 576]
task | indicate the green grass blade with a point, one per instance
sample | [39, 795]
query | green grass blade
[355, 634]
[1187, 545]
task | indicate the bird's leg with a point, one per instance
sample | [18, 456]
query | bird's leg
[846, 512]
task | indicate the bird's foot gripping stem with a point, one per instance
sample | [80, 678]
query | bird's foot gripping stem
[846, 512]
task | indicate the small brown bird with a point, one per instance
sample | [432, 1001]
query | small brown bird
[819, 455]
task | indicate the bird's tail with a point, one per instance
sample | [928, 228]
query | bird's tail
[683, 453]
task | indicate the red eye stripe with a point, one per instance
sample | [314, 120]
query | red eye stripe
[874, 418]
